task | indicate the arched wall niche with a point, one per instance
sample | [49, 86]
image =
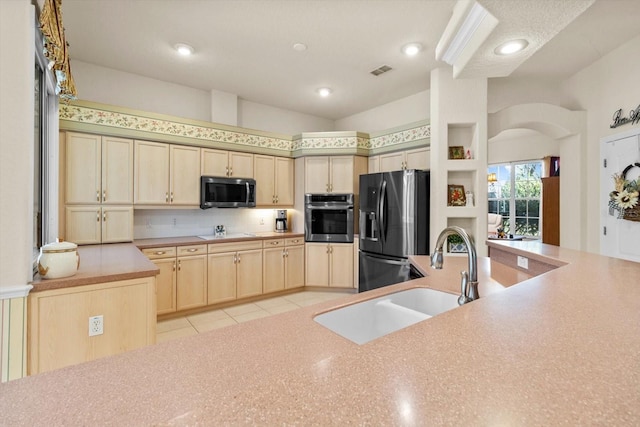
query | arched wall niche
[568, 128]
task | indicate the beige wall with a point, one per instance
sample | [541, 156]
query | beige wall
[605, 86]
[17, 40]
[514, 146]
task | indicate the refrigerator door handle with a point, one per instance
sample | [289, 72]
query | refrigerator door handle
[382, 227]
[388, 261]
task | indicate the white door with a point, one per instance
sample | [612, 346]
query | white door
[619, 237]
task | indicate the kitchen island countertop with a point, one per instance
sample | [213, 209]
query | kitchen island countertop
[558, 348]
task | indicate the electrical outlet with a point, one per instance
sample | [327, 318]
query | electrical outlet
[174, 222]
[523, 262]
[261, 221]
[96, 325]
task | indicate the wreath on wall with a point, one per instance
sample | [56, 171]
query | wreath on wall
[625, 197]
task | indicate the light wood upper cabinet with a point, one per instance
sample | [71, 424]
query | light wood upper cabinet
[86, 225]
[185, 175]
[333, 174]
[226, 163]
[151, 173]
[417, 158]
[166, 174]
[98, 169]
[274, 180]
[374, 164]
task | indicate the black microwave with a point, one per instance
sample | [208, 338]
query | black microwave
[222, 192]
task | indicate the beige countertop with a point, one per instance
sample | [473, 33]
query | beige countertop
[102, 263]
[559, 348]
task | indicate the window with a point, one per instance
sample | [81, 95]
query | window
[516, 196]
[45, 155]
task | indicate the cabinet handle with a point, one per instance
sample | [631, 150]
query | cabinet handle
[174, 266]
[231, 171]
[179, 265]
[327, 187]
[273, 199]
[287, 253]
[104, 216]
[295, 241]
[238, 258]
[97, 195]
[235, 259]
[226, 170]
[98, 216]
[284, 253]
[172, 197]
[104, 195]
[192, 250]
[275, 243]
[166, 197]
[277, 199]
[159, 252]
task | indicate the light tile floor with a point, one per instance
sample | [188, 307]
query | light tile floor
[214, 319]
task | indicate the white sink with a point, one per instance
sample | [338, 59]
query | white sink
[371, 319]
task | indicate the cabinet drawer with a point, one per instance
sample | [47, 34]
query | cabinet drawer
[294, 241]
[156, 253]
[273, 243]
[192, 250]
[216, 248]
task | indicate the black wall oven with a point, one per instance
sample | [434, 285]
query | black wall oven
[328, 218]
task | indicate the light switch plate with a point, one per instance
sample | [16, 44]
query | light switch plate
[523, 262]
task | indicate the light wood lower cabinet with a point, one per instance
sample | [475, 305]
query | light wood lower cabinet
[283, 266]
[191, 282]
[166, 285]
[58, 325]
[329, 264]
[238, 264]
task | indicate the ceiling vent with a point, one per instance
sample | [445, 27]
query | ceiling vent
[381, 70]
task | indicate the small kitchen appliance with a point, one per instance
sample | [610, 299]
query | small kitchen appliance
[281, 220]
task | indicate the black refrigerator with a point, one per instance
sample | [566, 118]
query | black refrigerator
[393, 223]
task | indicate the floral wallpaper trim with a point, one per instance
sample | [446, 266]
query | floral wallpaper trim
[94, 116]
[127, 121]
[409, 135]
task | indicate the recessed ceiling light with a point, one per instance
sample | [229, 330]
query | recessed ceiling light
[324, 91]
[511, 47]
[299, 47]
[411, 49]
[184, 49]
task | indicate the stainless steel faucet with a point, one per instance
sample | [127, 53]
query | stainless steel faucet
[468, 280]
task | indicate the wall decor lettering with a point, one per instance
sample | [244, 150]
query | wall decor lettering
[619, 119]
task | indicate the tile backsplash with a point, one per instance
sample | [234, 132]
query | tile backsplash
[152, 223]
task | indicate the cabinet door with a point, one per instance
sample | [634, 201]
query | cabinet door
[294, 267]
[317, 264]
[117, 171]
[249, 273]
[391, 162]
[151, 173]
[82, 169]
[373, 164]
[341, 268]
[316, 174]
[191, 282]
[166, 285]
[264, 172]
[341, 174]
[185, 175]
[418, 158]
[240, 165]
[83, 224]
[117, 224]
[222, 277]
[284, 181]
[214, 162]
[273, 269]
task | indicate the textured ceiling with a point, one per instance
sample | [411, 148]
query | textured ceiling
[244, 47]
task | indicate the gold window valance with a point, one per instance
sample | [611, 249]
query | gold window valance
[56, 48]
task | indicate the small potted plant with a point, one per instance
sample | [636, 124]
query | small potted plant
[456, 245]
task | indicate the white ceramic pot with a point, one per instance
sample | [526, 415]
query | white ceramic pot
[59, 259]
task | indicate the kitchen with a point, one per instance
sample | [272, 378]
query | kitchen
[599, 96]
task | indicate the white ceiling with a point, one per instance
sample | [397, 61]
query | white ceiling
[244, 47]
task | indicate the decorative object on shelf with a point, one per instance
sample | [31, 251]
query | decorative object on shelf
[625, 197]
[456, 245]
[467, 154]
[456, 196]
[456, 152]
[220, 231]
[469, 196]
